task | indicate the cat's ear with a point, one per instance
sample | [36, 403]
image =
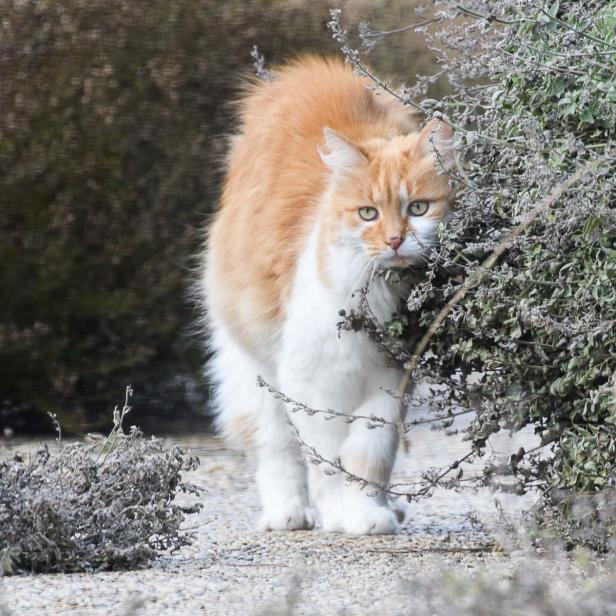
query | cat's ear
[340, 153]
[436, 138]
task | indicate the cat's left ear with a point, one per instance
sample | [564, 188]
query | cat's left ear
[341, 154]
[436, 138]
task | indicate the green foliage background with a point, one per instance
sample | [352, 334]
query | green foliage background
[529, 338]
[111, 136]
[539, 329]
[542, 327]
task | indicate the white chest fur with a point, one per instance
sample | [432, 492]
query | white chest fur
[314, 363]
[325, 368]
[313, 348]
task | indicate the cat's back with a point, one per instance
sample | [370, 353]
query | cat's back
[274, 179]
[282, 122]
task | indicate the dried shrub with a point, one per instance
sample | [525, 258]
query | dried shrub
[107, 503]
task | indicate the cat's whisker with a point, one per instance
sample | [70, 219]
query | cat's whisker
[359, 282]
[367, 274]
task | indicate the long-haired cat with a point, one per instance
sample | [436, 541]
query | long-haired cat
[326, 181]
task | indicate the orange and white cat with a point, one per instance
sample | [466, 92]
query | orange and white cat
[326, 182]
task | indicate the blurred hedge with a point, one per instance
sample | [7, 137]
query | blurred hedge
[110, 136]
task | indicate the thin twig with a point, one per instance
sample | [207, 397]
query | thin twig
[429, 481]
[564, 24]
[559, 69]
[420, 24]
[490, 18]
[572, 55]
[373, 421]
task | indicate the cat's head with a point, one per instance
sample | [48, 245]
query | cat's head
[388, 196]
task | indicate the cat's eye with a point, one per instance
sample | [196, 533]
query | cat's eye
[418, 208]
[368, 213]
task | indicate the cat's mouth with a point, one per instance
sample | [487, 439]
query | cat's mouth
[397, 261]
[391, 260]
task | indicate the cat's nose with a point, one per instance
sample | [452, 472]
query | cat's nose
[395, 242]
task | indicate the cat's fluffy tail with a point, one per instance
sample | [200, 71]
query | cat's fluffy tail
[236, 397]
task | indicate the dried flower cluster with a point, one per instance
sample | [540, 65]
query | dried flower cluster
[107, 503]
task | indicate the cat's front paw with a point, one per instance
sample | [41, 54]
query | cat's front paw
[332, 519]
[287, 518]
[372, 521]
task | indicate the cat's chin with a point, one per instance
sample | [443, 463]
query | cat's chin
[399, 262]
[393, 262]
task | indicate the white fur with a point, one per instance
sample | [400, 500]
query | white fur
[325, 369]
[281, 473]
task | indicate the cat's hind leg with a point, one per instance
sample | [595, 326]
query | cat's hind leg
[251, 420]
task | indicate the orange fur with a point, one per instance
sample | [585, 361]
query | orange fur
[276, 178]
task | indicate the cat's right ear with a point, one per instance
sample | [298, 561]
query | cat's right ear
[436, 138]
[341, 154]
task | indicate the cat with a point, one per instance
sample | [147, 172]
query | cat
[326, 181]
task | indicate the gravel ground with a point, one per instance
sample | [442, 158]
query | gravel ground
[232, 568]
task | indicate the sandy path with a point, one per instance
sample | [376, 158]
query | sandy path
[233, 568]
